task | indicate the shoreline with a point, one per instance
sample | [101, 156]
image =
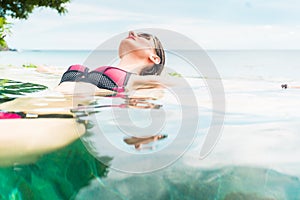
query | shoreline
[7, 49]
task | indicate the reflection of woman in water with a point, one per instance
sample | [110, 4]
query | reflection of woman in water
[138, 142]
[141, 60]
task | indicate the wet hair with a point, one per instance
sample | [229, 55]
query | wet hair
[155, 69]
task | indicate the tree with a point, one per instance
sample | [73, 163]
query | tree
[4, 30]
[20, 9]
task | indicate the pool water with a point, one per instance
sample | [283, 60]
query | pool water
[256, 156]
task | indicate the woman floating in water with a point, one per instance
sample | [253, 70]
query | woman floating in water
[141, 55]
[49, 123]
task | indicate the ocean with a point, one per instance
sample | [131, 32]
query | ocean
[271, 65]
[255, 155]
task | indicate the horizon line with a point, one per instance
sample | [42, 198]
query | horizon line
[215, 49]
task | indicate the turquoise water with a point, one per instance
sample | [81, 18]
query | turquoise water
[58, 175]
[256, 156]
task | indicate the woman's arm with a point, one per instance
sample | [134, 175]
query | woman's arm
[137, 82]
[50, 70]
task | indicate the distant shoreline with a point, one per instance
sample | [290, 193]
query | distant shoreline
[8, 49]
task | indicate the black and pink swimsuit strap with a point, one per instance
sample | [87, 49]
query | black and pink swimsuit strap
[79, 68]
[118, 76]
[75, 73]
[107, 77]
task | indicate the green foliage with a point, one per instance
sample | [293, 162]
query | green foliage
[175, 74]
[12, 89]
[21, 9]
[4, 30]
[29, 66]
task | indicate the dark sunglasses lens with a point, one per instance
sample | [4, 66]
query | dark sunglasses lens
[145, 35]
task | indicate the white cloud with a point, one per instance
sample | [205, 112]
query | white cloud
[95, 13]
[87, 25]
[214, 35]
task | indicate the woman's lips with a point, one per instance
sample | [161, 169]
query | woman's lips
[131, 37]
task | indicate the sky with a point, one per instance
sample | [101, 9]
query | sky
[213, 24]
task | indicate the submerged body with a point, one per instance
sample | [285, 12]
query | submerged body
[23, 140]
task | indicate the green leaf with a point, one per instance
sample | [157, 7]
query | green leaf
[29, 66]
[175, 74]
[10, 89]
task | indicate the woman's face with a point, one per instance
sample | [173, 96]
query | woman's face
[139, 44]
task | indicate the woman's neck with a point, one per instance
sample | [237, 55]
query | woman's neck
[133, 64]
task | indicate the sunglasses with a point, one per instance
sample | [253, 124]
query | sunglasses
[145, 35]
[149, 37]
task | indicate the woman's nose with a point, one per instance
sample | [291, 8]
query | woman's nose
[132, 33]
